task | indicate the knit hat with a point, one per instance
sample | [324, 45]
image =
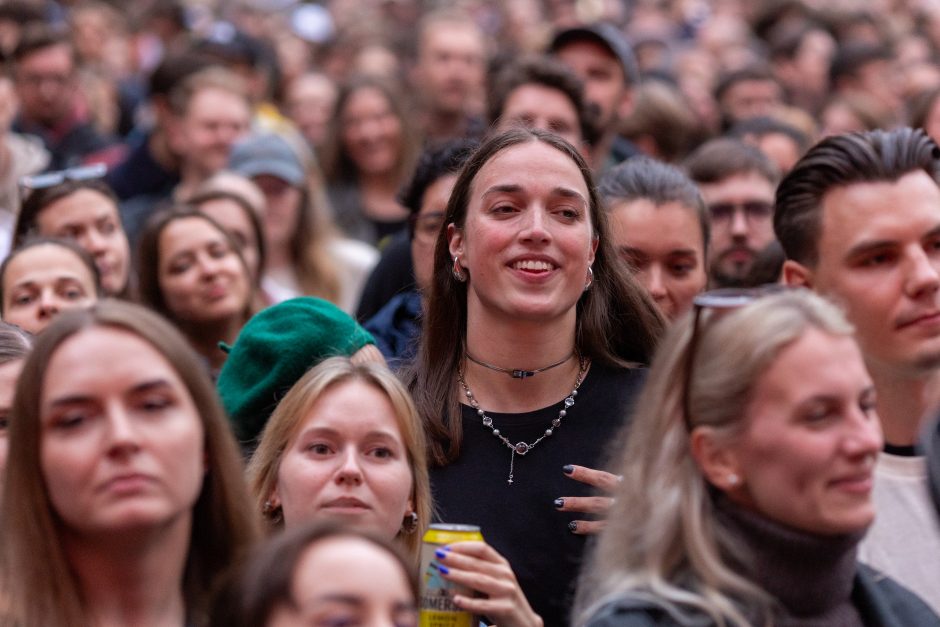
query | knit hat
[274, 349]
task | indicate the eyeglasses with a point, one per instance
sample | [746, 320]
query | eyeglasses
[426, 227]
[724, 300]
[51, 179]
[753, 210]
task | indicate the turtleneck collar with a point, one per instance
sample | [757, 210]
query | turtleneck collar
[811, 576]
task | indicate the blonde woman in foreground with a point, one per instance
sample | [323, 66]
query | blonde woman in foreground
[747, 478]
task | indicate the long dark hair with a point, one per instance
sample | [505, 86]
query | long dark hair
[148, 260]
[618, 324]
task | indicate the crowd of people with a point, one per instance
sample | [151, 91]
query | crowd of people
[647, 291]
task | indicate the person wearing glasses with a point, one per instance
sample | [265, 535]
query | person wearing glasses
[527, 361]
[747, 478]
[52, 105]
[737, 182]
[397, 325]
[77, 204]
[859, 220]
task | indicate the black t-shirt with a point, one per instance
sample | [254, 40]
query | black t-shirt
[520, 520]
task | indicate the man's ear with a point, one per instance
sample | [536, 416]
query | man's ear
[796, 274]
[716, 460]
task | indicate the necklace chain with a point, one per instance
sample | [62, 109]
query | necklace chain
[519, 373]
[521, 447]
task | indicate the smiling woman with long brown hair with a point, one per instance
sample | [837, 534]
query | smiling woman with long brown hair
[527, 362]
[192, 272]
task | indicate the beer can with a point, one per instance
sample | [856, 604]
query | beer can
[437, 605]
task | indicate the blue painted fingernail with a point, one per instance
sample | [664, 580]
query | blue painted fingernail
[559, 503]
[443, 569]
[567, 469]
[573, 526]
[440, 554]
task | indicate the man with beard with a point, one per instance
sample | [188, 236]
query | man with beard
[859, 220]
[600, 56]
[737, 182]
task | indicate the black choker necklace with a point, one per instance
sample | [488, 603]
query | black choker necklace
[518, 373]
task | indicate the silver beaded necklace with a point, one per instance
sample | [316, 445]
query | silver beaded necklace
[521, 447]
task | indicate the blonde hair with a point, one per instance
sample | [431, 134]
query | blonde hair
[287, 419]
[662, 544]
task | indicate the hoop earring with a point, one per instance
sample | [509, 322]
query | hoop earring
[410, 523]
[590, 279]
[459, 275]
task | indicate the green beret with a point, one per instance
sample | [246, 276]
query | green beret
[274, 349]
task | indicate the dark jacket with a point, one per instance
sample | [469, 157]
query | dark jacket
[880, 601]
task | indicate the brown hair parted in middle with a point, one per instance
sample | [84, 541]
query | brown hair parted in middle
[38, 585]
[617, 322]
[148, 260]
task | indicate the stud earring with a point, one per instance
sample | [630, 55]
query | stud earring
[458, 272]
[733, 480]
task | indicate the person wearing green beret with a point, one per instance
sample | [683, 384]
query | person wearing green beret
[275, 348]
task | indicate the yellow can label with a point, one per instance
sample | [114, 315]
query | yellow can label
[437, 605]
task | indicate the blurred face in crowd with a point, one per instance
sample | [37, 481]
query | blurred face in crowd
[451, 66]
[882, 265]
[663, 244]
[780, 148]
[91, 219]
[605, 86]
[751, 98]
[231, 216]
[42, 281]
[121, 443]
[837, 118]
[45, 84]
[427, 226]
[371, 131]
[880, 80]
[806, 455]
[347, 463]
[366, 586]
[741, 214]
[543, 107]
[201, 276]
[310, 102]
[213, 122]
[284, 205]
[9, 375]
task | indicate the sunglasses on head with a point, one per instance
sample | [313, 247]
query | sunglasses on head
[723, 300]
[45, 180]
